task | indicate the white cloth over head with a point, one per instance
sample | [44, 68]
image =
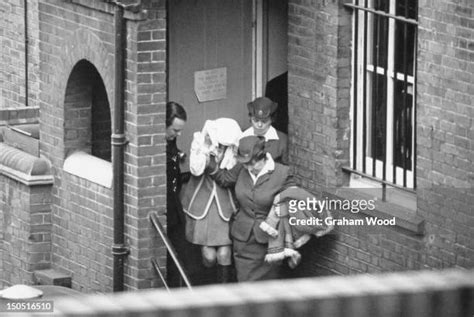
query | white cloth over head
[222, 131]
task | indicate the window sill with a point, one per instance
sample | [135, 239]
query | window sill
[406, 218]
[89, 167]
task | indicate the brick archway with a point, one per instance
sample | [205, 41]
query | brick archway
[83, 44]
[83, 58]
[71, 32]
[86, 45]
[87, 120]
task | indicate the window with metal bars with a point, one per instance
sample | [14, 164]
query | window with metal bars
[383, 94]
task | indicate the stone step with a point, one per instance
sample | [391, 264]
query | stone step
[52, 277]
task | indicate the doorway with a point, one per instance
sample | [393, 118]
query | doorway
[211, 39]
[271, 56]
[238, 45]
[221, 53]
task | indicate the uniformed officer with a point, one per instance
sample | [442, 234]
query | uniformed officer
[175, 122]
[257, 184]
[261, 113]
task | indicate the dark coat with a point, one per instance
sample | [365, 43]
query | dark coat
[250, 242]
[174, 210]
[255, 201]
[200, 192]
[278, 148]
[209, 208]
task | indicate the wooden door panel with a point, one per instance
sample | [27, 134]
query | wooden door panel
[203, 35]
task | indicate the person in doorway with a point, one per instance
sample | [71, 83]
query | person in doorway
[207, 205]
[261, 113]
[175, 121]
[277, 90]
[256, 187]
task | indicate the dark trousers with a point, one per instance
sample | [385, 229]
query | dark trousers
[180, 245]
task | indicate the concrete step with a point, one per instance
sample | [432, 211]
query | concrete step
[52, 277]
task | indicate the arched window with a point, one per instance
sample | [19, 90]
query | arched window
[87, 126]
[87, 122]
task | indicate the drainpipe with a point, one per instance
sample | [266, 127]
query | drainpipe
[118, 141]
[26, 51]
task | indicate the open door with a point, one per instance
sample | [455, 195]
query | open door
[271, 56]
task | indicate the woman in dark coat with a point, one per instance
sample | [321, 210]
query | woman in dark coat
[256, 186]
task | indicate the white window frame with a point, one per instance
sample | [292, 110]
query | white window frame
[357, 66]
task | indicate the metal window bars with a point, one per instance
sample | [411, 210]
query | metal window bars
[384, 91]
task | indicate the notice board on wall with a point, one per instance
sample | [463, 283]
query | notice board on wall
[211, 84]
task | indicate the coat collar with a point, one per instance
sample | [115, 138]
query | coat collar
[267, 169]
[270, 135]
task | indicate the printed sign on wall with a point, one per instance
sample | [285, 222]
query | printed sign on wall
[211, 84]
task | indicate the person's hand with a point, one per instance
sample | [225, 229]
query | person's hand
[181, 156]
[218, 153]
[276, 205]
[199, 154]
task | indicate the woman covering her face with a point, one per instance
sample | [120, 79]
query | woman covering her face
[207, 205]
[261, 113]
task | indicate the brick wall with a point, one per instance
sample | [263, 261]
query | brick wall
[319, 70]
[319, 83]
[445, 94]
[19, 116]
[318, 94]
[12, 54]
[82, 233]
[146, 157]
[81, 212]
[25, 238]
[446, 130]
[14, 108]
[84, 30]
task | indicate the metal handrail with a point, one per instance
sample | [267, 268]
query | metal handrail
[161, 231]
[158, 270]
